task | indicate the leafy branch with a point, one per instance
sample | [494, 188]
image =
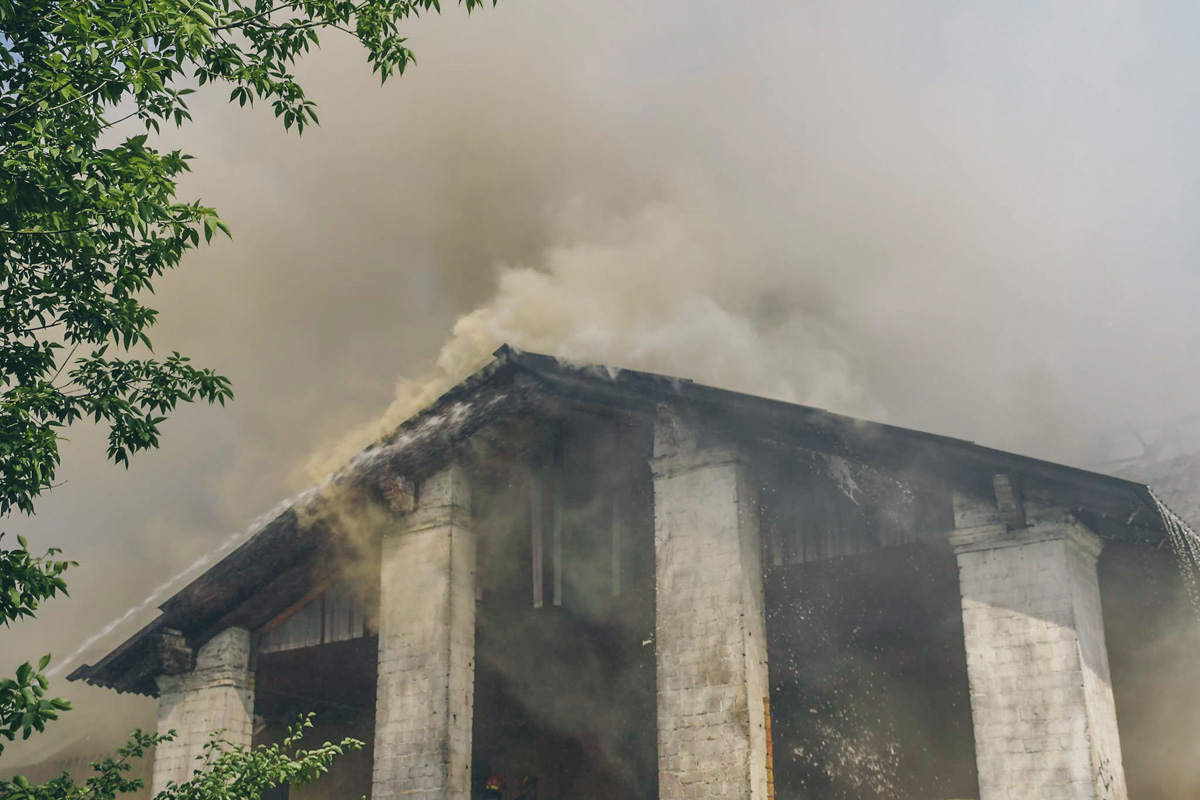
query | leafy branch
[224, 771]
[89, 221]
[25, 581]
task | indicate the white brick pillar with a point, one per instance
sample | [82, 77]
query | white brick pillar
[427, 648]
[218, 695]
[710, 636]
[1041, 694]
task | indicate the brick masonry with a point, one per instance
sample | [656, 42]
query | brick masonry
[427, 648]
[217, 695]
[1041, 696]
[709, 633]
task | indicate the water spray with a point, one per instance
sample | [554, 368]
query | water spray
[1186, 544]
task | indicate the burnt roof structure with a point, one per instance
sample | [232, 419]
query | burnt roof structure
[275, 566]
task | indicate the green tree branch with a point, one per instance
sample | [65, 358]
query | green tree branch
[86, 228]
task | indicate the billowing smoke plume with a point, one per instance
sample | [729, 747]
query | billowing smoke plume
[932, 225]
[664, 289]
[976, 223]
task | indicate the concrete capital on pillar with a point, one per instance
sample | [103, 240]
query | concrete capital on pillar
[993, 538]
[978, 527]
[444, 499]
[211, 678]
[223, 661]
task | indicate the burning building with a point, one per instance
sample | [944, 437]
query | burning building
[633, 586]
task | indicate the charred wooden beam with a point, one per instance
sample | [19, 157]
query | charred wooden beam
[175, 656]
[284, 592]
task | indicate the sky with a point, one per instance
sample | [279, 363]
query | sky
[974, 219]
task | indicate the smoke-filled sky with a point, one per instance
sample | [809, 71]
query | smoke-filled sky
[971, 218]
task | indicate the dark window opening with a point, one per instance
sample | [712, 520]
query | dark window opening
[869, 692]
[564, 659]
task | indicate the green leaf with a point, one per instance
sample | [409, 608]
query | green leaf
[91, 218]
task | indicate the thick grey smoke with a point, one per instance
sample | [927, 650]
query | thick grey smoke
[975, 222]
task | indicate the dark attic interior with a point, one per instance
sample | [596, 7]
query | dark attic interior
[632, 587]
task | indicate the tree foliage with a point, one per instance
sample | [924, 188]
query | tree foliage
[25, 581]
[225, 771]
[89, 216]
[89, 220]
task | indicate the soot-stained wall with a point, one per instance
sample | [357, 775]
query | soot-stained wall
[868, 677]
[869, 691]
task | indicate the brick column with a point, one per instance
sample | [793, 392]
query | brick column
[427, 648]
[710, 635]
[217, 695]
[1041, 695]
